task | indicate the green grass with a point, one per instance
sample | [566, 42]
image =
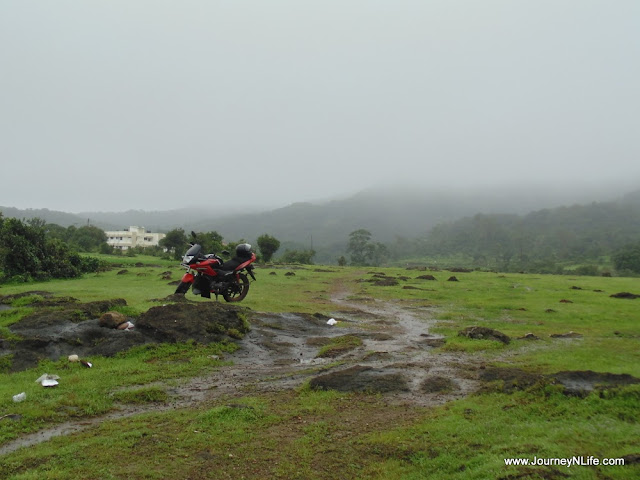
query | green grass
[517, 304]
[89, 392]
[312, 435]
[339, 345]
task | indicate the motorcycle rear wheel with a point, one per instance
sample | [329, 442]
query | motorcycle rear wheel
[183, 288]
[237, 290]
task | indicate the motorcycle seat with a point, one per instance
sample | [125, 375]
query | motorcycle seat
[230, 265]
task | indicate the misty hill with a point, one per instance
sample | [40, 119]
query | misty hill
[50, 216]
[388, 214]
[540, 239]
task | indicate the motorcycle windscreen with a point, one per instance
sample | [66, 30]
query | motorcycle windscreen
[194, 251]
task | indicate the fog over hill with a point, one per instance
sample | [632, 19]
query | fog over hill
[386, 212]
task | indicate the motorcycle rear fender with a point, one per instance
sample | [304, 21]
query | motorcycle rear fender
[187, 278]
[247, 263]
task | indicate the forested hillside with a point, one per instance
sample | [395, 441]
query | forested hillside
[541, 239]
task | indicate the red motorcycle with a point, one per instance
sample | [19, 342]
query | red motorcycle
[207, 274]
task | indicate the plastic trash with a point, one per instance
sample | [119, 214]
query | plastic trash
[19, 397]
[47, 380]
[332, 321]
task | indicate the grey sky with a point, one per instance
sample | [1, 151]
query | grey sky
[149, 104]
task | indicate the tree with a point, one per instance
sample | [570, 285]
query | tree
[628, 258]
[358, 241]
[88, 238]
[175, 241]
[268, 246]
[27, 252]
[298, 256]
[211, 241]
[363, 251]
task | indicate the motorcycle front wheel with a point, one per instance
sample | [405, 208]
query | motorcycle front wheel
[183, 288]
[237, 290]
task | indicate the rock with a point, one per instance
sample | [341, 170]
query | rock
[484, 333]
[111, 319]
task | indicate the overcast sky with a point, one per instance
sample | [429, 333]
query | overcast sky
[147, 104]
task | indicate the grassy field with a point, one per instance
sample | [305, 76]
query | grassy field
[307, 434]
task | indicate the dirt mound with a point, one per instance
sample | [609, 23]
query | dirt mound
[202, 322]
[484, 333]
[426, 277]
[52, 333]
[509, 379]
[582, 382]
[576, 383]
[69, 311]
[361, 379]
[438, 384]
[625, 295]
[7, 299]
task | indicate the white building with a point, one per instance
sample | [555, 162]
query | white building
[133, 237]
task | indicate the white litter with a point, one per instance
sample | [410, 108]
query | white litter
[19, 397]
[47, 380]
[332, 321]
[73, 358]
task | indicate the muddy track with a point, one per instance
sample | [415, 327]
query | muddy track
[281, 352]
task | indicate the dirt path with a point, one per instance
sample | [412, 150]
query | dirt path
[396, 357]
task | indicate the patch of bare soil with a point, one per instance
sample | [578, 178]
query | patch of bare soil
[64, 326]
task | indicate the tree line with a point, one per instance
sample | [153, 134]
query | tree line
[30, 251]
[544, 241]
[581, 237]
[35, 250]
